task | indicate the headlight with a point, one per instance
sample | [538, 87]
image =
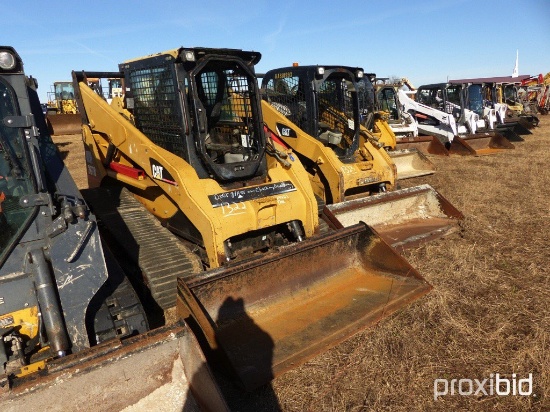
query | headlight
[189, 55]
[7, 60]
[320, 71]
[359, 74]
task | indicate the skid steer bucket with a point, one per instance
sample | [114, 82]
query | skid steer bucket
[270, 314]
[60, 124]
[425, 144]
[521, 126]
[136, 373]
[403, 218]
[411, 163]
[480, 144]
[509, 133]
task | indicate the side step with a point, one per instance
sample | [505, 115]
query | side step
[160, 255]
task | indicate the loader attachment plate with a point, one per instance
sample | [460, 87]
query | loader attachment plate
[61, 124]
[425, 144]
[411, 163]
[480, 144]
[273, 313]
[403, 218]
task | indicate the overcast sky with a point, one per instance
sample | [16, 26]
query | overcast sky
[426, 41]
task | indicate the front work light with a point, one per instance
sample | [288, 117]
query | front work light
[7, 60]
[189, 55]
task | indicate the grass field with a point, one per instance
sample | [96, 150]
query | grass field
[488, 312]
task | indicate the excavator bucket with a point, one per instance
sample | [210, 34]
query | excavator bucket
[61, 124]
[425, 144]
[411, 163]
[136, 374]
[270, 314]
[480, 144]
[403, 218]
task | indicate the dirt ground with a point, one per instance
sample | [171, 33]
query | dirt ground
[487, 314]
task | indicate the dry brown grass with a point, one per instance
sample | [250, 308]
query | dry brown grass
[71, 149]
[488, 312]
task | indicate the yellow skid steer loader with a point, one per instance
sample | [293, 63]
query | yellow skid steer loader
[383, 119]
[62, 116]
[220, 222]
[314, 111]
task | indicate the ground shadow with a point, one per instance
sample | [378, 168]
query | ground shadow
[243, 363]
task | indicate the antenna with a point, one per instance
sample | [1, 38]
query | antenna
[515, 72]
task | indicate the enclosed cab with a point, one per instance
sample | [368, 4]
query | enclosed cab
[321, 101]
[315, 110]
[203, 108]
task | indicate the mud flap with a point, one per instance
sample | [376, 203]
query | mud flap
[273, 313]
[132, 373]
[411, 163]
[425, 144]
[403, 218]
[480, 144]
[60, 124]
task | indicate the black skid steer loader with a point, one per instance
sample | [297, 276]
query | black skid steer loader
[74, 334]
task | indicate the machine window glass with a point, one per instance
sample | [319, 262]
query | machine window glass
[15, 174]
[510, 94]
[475, 99]
[287, 95]
[156, 107]
[365, 91]
[64, 91]
[336, 106]
[424, 96]
[388, 103]
[225, 92]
